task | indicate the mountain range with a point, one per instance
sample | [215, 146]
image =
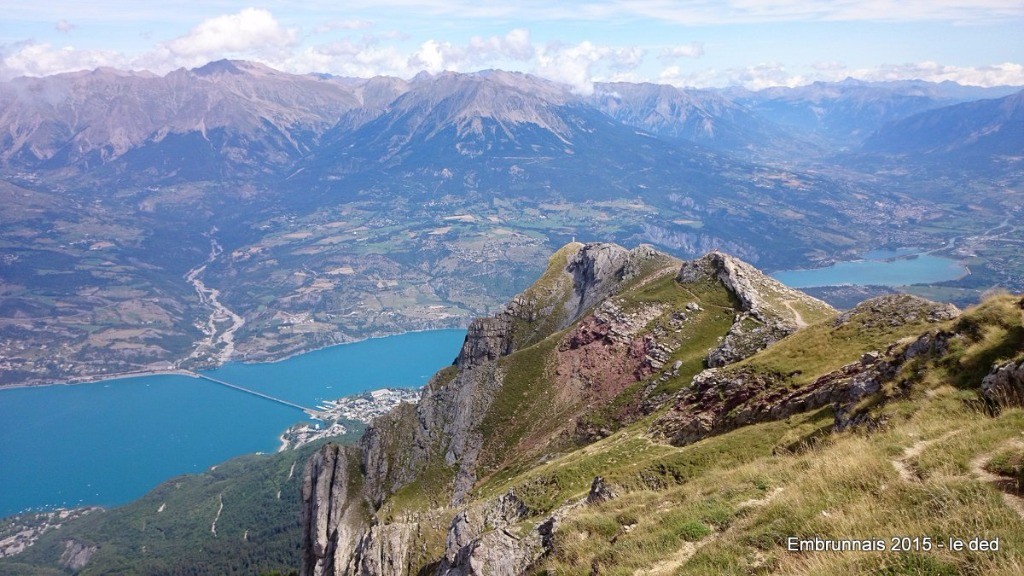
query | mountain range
[325, 209]
[662, 409]
[245, 114]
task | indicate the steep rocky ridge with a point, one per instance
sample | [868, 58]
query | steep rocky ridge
[573, 422]
[528, 382]
[769, 310]
[450, 414]
[723, 399]
[234, 114]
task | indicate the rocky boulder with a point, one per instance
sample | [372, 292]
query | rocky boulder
[1004, 386]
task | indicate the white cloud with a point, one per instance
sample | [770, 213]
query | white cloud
[434, 56]
[515, 45]
[30, 59]
[672, 53]
[347, 58]
[64, 26]
[251, 30]
[774, 74]
[582, 64]
[1007, 73]
[754, 77]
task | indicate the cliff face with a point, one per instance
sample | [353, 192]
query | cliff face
[434, 448]
[332, 507]
[769, 311]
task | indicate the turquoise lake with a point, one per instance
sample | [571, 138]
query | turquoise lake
[879, 268]
[109, 442]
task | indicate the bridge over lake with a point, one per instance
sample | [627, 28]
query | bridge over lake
[311, 412]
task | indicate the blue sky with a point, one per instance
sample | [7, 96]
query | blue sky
[754, 43]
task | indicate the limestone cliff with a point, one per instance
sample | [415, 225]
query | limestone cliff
[770, 311]
[332, 506]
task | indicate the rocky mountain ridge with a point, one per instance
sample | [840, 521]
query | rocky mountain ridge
[983, 129]
[106, 121]
[240, 113]
[511, 448]
[448, 429]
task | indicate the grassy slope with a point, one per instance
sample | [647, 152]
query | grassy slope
[728, 503]
[524, 423]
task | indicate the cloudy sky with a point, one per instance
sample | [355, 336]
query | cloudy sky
[752, 43]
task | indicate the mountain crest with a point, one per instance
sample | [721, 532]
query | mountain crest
[770, 310]
[604, 330]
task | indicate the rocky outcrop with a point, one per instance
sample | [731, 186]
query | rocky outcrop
[599, 491]
[599, 269]
[590, 273]
[463, 544]
[493, 539]
[611, 346]
[607, 351]
[499, 553]
[332, 512]
[1003, 387]
[383, 550]
[723, 399]
[487, 339]
[76, 555]
[896, 310]
[769, 310]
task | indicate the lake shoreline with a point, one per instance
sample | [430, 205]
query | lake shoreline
[142, 373]
[896, 270]
[141, 432]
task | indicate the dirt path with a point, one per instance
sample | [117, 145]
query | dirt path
[797, 317]
[901, 464]
[1004, 484]
[977, 466]
[677, 560]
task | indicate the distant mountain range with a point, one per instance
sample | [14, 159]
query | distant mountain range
[231, 118]
[992, 128]
[843, 114]
[324, 209]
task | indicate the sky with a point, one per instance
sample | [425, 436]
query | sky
[696, 43]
